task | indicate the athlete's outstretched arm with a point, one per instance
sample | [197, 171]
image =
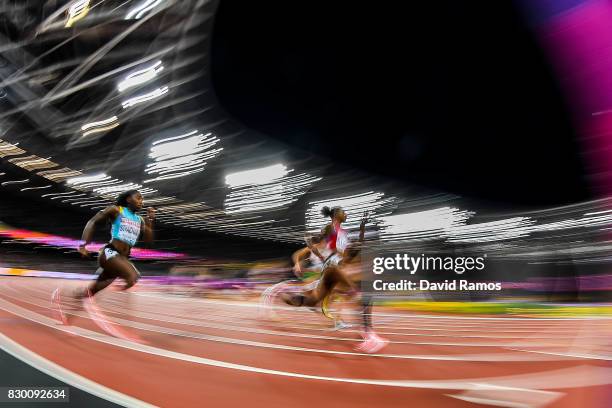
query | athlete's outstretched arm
[315, 239]
[109, 213]
[147, 233]
[355, 248]
[364, 220]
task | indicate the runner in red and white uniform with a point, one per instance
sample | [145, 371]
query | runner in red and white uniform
[336, 272]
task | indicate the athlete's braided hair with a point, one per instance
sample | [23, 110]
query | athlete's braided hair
[330, 212]
[122, 198]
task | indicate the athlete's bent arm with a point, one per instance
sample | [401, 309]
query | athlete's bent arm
[109, 213]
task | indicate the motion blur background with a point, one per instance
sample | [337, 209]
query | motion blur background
[471, 127]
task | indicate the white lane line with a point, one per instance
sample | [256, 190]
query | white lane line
[508, 397]
[496, 402]
[572, 355]
[575, 377]
[180, 333]
[69, 377]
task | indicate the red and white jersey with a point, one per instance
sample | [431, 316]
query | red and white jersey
[338, 240]
[331, 248]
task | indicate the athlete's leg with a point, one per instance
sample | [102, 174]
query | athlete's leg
[366, 312]
[105, 278]
[372, 342]
[112, 266]
[121, 267]
[346, 286]
[115, 266]
[325, 306]
[332, 276]
[293, 299]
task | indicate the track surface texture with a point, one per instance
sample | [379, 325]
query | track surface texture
[187, 351]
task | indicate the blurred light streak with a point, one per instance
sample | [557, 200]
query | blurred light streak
[91, 203]
[428, 224]
[117, 188]
[100, 126]
[147, 191]
[78, 195]
[140, 77]
[500, 230]
[182, 155]
[180, 207]
[6, 183]
[64, 242]
[78, 200]
[598, 212]
[37, 188]
[59, 194]
[87, 186]
[172, 176]
[265, 189]
[138, 11]
[145, 97]
[87, 179]
[103, 185]
[262, 175]
[76, 12]
[594, 220]
[158, 200]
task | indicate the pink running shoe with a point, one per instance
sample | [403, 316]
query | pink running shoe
[56, 301]
[372, 343]
[104, 322]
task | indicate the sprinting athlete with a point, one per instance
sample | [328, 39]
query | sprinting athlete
[126, 228]
[335, 273]
[335, 240]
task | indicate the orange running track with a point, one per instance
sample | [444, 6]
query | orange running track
[199, 352]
